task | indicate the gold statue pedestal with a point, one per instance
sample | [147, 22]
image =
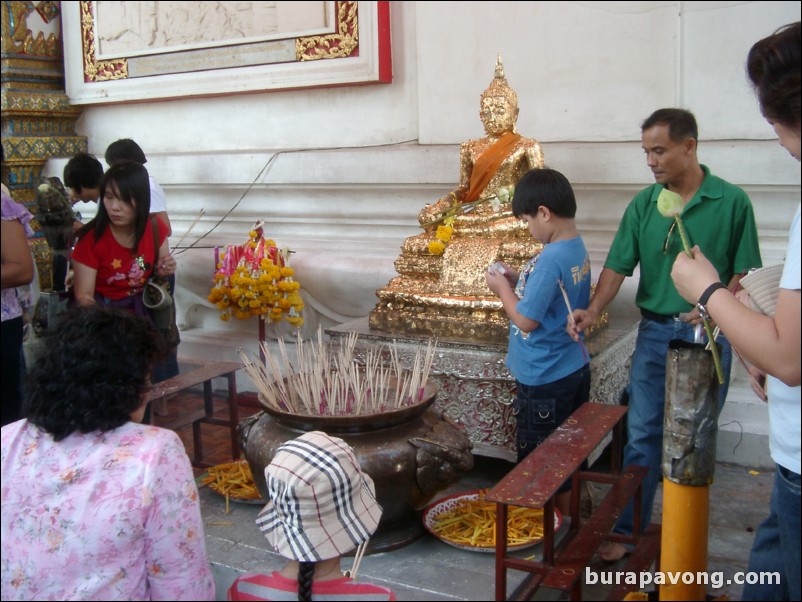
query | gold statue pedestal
[447, 296]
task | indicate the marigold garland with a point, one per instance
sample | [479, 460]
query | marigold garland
[255, 279]
[442, 237]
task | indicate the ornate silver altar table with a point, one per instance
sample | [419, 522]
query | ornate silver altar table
[476, 387]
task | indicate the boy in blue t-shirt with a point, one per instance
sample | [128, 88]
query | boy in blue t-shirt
[551, 370]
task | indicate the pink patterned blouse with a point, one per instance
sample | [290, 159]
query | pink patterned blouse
[100, 516]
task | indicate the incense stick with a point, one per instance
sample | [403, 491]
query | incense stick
[327, 379]
[192, 225]
[571, 315]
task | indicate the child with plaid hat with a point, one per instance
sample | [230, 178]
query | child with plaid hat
[320, 506]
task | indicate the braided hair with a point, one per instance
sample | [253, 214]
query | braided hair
[306, 573]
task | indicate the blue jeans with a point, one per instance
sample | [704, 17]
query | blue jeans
[540, 409]
[777, 542]
[647, 384]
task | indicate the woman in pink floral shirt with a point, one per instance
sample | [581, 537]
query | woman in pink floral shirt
[96, 506]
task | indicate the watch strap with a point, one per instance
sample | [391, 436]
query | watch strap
[703, 300]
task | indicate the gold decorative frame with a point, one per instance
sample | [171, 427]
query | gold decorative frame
[357, 51]
[341, 44]
[94, 70]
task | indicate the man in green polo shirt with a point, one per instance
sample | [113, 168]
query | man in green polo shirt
[719, 218]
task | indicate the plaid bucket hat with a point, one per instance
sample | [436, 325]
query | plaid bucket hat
[320, 503]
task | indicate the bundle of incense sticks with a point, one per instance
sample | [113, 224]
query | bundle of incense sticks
[330, 381]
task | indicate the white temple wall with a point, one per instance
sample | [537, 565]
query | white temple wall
[355, 164]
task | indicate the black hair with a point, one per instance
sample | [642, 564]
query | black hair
[306, 575]
[132, 183]
[93, 373]
[681, 123]
[83, 171]
[773, 66]
[546, 187]
[125, 149]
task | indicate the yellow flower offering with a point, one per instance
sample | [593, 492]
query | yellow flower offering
[444, 233]
[436, 247]
[255, 279]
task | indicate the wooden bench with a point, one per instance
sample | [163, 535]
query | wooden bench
[202, 372]
[534, 482]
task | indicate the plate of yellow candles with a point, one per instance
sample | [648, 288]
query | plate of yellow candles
[234, 481]
[467, 521]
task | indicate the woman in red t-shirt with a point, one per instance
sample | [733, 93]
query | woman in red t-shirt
[114, 255]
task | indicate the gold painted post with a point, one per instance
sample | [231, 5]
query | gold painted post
[689, 459]
[38, 121]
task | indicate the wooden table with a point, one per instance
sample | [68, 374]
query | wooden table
[202, 372]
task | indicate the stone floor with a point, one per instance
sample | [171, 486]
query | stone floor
[429, 569]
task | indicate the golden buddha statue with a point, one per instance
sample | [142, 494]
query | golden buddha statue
[441, 289]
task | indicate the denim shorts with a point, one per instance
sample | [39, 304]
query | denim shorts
[540, 409]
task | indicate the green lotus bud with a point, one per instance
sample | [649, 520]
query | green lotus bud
[669, 204]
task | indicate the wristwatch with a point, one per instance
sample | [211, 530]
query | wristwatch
[701, 305]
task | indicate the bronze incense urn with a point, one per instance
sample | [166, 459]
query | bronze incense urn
[411, 453]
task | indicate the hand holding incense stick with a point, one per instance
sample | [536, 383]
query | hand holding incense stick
[571, 315]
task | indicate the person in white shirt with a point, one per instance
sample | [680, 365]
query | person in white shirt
[770, 343]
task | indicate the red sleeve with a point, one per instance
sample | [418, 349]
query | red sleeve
[84, 252]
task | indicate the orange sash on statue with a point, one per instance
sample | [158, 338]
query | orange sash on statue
[488, 163]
